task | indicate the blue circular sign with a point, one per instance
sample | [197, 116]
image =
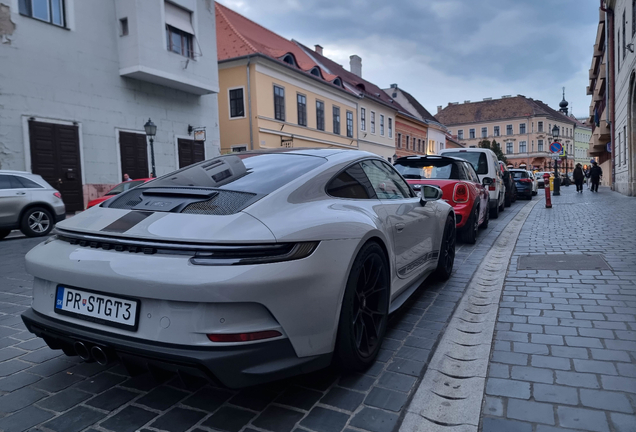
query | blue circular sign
[556, 147]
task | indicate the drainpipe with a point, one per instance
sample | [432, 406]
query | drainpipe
[609, 73]
[249, 102]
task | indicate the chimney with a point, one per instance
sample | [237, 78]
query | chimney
[439, 108]
[394, 86]
[318, 49]
[355, 65]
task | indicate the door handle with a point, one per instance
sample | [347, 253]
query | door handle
[399, 227]
[20, 193]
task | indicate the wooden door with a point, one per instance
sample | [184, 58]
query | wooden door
[133, 149]
[190, 152]
[55, 156]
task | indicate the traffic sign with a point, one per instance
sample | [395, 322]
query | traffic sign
[556, 147]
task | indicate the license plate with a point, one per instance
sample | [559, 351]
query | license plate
[96, 307]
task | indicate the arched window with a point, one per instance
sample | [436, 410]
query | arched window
[315, 71]
[361, 86]
[289, 59]
[338, 82]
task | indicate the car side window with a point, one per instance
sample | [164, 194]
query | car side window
[385, 180]
[351, 183]
[472, 175]
[461, 171]
[26, 183]
[4, 182]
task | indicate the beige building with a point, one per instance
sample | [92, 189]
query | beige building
[522, 126]
[273, 95]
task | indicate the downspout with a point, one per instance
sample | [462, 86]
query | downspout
[249, 102]
[609, 73]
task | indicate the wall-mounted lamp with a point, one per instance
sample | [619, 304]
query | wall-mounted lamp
[630, 47]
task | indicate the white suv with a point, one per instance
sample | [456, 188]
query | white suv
[487, 167]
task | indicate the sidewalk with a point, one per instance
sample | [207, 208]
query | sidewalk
[564, 349]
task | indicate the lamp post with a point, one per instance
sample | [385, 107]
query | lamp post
[151, 131]
[557, 181]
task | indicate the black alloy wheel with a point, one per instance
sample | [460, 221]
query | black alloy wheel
[446, 258]
[472, 227]
[365, 309]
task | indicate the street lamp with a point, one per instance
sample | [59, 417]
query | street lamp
[151, 131]
[557, 181]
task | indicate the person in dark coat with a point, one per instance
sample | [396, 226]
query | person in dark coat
[595, 176]
[578, 177]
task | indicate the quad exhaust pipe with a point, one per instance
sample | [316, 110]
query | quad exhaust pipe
[101, 355]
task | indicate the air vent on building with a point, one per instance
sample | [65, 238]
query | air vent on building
[487, 99]
[506, 96]
[466, 101]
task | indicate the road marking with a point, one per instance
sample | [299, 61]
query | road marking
[449, 397]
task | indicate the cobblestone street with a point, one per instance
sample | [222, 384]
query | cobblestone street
[48, 391]
[564, 352]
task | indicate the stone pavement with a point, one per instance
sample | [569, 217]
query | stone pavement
[564, 354]
[43, 390]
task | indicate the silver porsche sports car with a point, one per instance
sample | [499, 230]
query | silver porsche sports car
[244, 268]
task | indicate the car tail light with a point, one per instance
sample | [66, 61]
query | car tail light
[254, 254]
[57, 194]
[525, 180]
[461, 194]
[244, 337]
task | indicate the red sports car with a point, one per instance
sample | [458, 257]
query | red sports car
[121, 187]
[460, 186]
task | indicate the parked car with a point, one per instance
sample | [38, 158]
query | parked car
[511, 189]
[485, 163]
[121, 187]
[28, 203]
[460, 186]
[524, 183]
[539, 177]
[535, 183]
[244, 268]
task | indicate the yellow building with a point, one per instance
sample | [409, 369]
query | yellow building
[273, 95]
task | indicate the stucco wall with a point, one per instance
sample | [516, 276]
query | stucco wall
[73, 75]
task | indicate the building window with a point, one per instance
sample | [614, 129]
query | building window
[382, 124]
[350, 124]
[419, 145]
[484, 132]
[540, 145]
[179, 42]
[633, 18]
[496, 131]
[509, 130]
[431, 147]
[399, 140]
[460, 134]
[302, 109]
[336, 120]
[390, 127]
[363, 119]
[279, 103]
[237, 108]
[179, 30]
[407, 142]
[238, 149]
[123, 27]
[540, 126]
[50, 11]
[509, 148]
[320, 115]
[522, 128]
[522, 147]
[471, 133]
[372, 122]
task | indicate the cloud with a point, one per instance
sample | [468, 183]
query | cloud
[449, 50]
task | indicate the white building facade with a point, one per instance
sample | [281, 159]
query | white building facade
[582, 137]
[79, 79]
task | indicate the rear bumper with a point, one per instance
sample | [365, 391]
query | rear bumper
[234, 367]
[524, 190]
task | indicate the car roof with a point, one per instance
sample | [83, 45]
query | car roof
[431, 157]
[16, 172]
[321, 152]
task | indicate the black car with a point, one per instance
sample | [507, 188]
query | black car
[523, 182]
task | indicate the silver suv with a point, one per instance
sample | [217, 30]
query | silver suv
[28, 203]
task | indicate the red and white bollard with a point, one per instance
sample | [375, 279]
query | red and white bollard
[546, 187]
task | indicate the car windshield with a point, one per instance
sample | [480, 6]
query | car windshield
[519, 174]
[122, 187]
[427, 169]
[477, 160]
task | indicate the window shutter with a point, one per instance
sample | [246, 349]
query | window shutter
[179, 18]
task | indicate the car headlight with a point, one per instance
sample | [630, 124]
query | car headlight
[254, 254]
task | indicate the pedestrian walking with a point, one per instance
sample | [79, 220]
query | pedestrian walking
[578, 178]
[595, 176]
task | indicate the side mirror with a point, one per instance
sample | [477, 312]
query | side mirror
[487, 181]
[430, 193]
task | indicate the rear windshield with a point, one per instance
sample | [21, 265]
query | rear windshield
[477, 159]
[125, 186]
[427, 169]
[519, 174]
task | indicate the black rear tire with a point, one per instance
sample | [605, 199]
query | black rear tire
[446, 258]
[484, 224]
[469, 234]
[36, 222]
[494, 212]
[365, 310]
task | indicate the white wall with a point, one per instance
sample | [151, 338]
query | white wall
[73, 75]
[438, 136]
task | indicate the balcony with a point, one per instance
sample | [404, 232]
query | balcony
[143, 50]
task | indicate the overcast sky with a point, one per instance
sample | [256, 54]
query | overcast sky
[445, 51]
